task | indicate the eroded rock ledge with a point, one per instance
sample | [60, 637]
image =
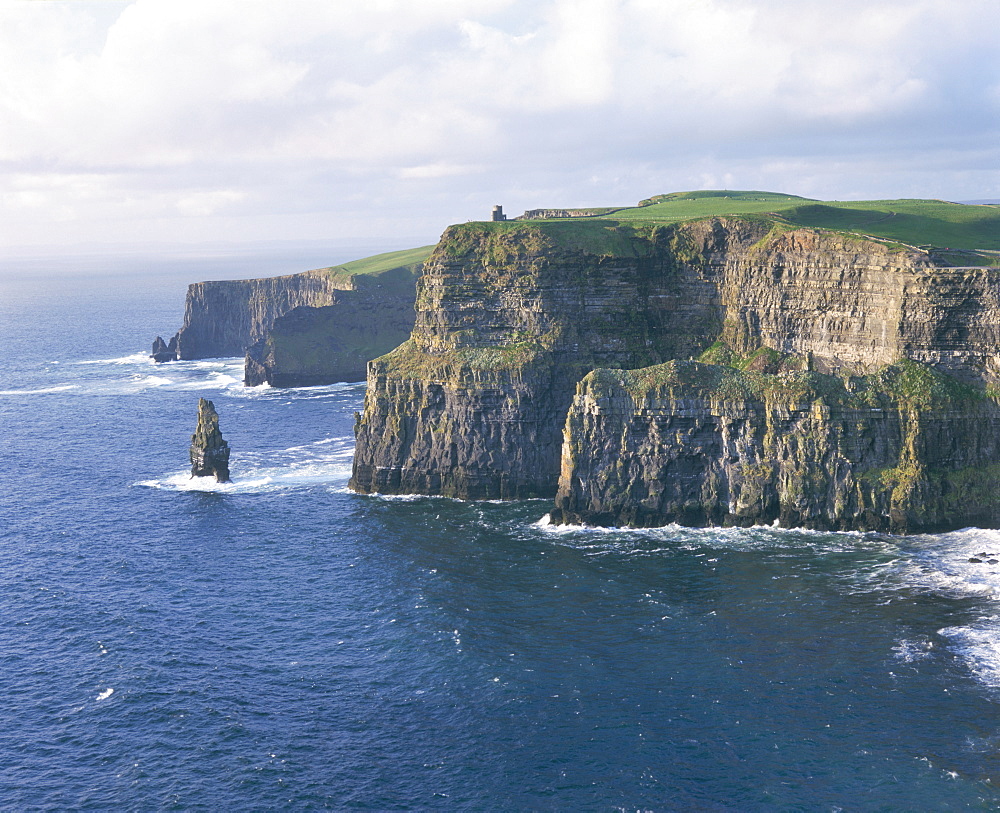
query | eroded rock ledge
[905, 449]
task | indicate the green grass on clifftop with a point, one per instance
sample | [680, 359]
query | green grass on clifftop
[499, 242]
[932, 223]
[905, 384]
[379, 263]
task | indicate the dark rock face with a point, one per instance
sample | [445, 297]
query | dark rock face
[164, 352]
[902, 451]
[317, 327]
[209, 451]
[224, 318]
[510, 316]
[475, 427]
[507, 322]
[310, 346]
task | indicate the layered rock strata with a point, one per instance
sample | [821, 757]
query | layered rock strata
[228, 317]
[309, 346]
[906, 449]
[223, 318]
[508, 319]
[511, 315]
[209, 450]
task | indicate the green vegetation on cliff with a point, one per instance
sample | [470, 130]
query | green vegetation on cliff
[512, 315]
[905, 384]
[408, 259]
[499, 243]
[904, 449]
[937, 223]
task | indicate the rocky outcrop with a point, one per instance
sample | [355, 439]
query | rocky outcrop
[162, 351]
[903, 450]
[209, 451]
[511, 315]
[509, 318]
[309, 346]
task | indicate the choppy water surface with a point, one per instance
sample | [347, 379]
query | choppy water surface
[282, 642]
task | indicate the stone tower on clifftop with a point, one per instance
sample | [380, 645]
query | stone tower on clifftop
[498, 214]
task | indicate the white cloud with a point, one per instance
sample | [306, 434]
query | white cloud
[201, 204]
[254, 109]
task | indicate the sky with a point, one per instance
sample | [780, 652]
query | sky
[233, 122]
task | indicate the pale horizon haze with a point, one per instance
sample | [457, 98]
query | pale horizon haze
[183, 125]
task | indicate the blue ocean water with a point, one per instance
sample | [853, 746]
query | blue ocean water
[280, 642]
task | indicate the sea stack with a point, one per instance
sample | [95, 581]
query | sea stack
[164, 352]
[209, 451]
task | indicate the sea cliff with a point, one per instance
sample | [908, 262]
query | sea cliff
[315, 327]
[308, 346]
[224, 317]
[510, 316]
[902, 450]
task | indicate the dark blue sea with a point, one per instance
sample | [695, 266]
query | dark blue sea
[282, 643]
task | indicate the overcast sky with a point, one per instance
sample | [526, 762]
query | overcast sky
[188, 121]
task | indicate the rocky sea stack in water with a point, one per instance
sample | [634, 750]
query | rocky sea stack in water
[162, 351]
[749, 366]
[209, 451]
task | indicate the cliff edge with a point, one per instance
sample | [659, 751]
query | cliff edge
[512, 315]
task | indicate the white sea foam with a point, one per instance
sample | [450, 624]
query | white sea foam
[947, 563]
[979, 646]
[406, 497]
[137, 373]
[636, 540]
[909, 650]
[155, 381]
[105, 694]
[326, 462]
[134, 358]
[42, 390]
[964, 564]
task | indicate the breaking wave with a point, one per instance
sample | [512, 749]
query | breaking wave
[41, 390]
[137, 373]
[325, 462]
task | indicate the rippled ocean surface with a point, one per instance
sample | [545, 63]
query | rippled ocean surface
[280, 642]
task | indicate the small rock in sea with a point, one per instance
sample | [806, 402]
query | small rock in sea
[164, 352]
[209, 451]
[975, 560]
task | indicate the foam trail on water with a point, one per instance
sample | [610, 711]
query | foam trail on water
[963, 563]
[42, 391]
[326, 462]
[137, 373]
[134, 358]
